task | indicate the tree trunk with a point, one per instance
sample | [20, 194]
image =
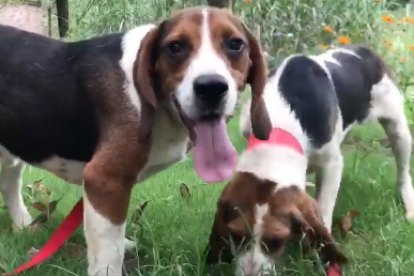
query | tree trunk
[219, 3]
[62, 7]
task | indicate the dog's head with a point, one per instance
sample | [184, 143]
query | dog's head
[260, 221]
[201, 58]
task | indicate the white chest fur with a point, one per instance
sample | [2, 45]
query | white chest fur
[169, 144]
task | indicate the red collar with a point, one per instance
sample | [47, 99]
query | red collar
[277, 136]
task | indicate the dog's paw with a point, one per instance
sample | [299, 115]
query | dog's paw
[22, 222]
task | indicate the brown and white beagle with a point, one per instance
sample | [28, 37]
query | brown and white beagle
[112, 111]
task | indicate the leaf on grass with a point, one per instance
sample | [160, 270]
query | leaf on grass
[74, 251]
[345, 224]
[3, 267]
[39, 206]
[46, 211]
[37, 185]
[139, 211]
[184, 190]
[32, 252]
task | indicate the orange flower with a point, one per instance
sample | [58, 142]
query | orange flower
[411, 48]
[328, 29]
[408, 20]
[248, 1]
[324, 46]
[388, 19]
[403, 59]
[388, 44]
[344, 39]
[376, 0]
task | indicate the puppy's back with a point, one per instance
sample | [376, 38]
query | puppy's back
[307, 88]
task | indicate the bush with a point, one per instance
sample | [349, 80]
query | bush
[284, 26]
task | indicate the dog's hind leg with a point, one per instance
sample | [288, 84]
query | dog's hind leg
[10, 187]
[388, 106]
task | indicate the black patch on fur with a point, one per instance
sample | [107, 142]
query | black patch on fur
[51, 93]
[311, 95]
[354, 79]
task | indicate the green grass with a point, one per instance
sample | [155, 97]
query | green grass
[175, 230]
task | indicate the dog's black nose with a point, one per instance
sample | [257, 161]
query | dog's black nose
[210, 88]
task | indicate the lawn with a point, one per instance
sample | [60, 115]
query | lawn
[175, 230]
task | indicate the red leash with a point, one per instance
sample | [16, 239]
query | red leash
[334, 270]
[64, 231]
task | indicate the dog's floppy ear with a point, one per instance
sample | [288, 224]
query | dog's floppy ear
[308, 220]
[146, 80]
[218, 247]
[261, 125]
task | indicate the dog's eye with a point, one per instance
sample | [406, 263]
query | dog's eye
[275, 243]
[272, 245]
[235, 45]
[176, 48]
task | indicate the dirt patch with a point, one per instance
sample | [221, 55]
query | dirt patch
[27, 17]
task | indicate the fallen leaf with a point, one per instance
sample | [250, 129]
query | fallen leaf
[74, 251]
[39, 206]
[346, 223]
[46, 211]
[139, 211]
[37, 185]
[3, 266]
[32, 252]
[184, 190]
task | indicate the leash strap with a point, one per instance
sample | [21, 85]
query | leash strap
[64, 231]
[334, 270]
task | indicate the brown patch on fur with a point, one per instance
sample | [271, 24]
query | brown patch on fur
[234, 208]
[119, 157]
[145, 74]
[250, 68]
[291, 213]
[300, 212]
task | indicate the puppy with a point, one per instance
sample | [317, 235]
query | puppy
[312, 102]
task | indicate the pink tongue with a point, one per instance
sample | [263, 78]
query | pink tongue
[214, 155]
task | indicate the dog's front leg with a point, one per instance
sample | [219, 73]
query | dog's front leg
[328, 181]
[106, 201]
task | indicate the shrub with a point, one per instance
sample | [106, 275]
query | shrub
[284, 26]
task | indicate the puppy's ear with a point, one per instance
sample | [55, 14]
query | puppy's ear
[261, 125]
[307, 219]
[146, 80]
[218, 247]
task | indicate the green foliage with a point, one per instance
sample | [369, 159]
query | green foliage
[284, 26]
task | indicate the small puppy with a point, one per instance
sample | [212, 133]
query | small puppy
[312, 102]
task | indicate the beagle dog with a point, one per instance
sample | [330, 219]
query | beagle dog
[111, 111]
[312, 103]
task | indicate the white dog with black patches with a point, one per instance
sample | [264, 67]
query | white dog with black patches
[312, 102]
